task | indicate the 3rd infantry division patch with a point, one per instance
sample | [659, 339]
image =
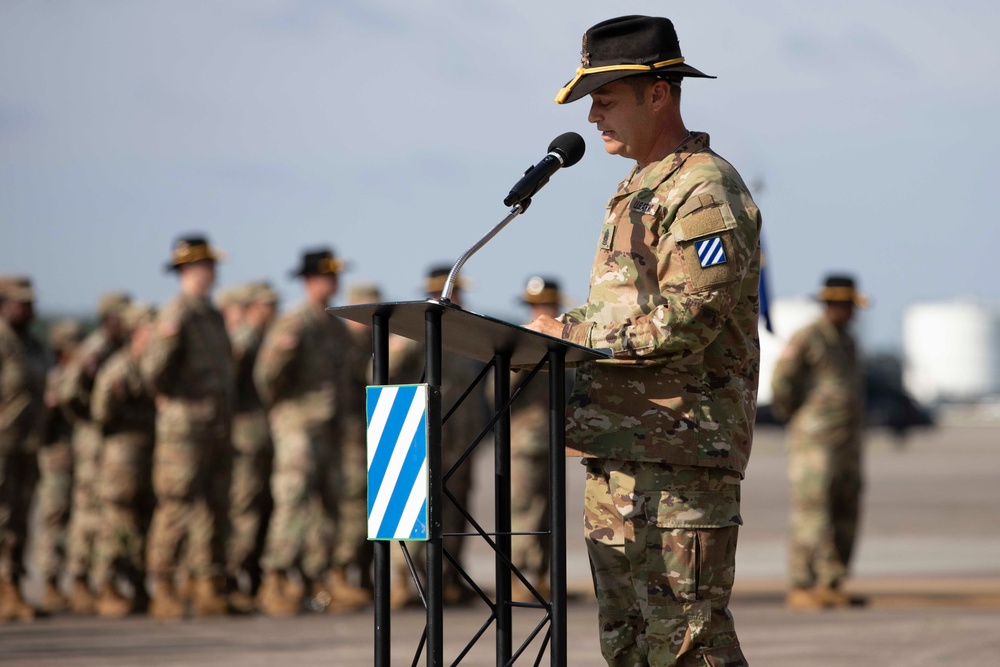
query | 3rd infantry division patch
[710, 252]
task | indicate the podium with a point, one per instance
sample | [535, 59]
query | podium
[441, 325]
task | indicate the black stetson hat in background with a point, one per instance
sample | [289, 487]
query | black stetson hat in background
[190, 249]
[318, 261]
[541, 290]
[623, 47]
[841, 288]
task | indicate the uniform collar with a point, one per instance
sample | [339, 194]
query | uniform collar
[654, 174]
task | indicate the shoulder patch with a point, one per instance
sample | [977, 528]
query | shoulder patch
[711, 251]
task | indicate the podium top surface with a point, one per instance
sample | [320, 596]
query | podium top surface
[470, 334]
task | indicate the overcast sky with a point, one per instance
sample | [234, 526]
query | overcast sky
[392, 130]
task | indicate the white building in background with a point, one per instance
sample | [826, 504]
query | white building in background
[787, 317]
[951, 351]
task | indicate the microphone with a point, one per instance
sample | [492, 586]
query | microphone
[564, 151]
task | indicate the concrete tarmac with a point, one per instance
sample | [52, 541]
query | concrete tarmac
[928, 561]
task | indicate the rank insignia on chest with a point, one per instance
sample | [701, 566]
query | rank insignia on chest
[710, 252]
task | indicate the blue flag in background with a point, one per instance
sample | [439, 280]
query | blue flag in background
[765, 309]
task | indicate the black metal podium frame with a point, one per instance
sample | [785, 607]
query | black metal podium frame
[441, 325]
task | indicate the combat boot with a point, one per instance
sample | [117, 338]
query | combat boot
[344, 596]
[165, 604]
[81, 598]
[53, 600]
[278, 596]
[803, 599]
[208, 598]
[13, 607]
[834, 598]
[111, 603]
[239, 602]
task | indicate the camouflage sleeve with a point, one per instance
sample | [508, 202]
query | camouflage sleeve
[787, 379]
[272, 371]
[694, 301]
[165, 348]
[109, 389]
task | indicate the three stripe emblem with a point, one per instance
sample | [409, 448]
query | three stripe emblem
[710, 251]
[397, 462]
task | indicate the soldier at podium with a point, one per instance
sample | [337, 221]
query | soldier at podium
[665, 427]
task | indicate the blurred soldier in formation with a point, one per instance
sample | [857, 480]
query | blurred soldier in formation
[55, 467]
[189, 366]
[23, 366]
[529, 457]
[352, 547]
[457, 373]
[819, 389]
[253, 453]
[75, 395]
[301, 375]
[123, 407]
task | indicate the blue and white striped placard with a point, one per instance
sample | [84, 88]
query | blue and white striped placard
[397, 462]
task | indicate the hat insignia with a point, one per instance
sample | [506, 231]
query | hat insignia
[584, 54]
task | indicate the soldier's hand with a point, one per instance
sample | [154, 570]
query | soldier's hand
[546, 325]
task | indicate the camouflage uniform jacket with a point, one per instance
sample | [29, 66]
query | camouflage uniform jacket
[818, 384]
[121, 402]
[246, 343]
[303, 368]
[58, 427]
[189, 366]
[673, 293]
[23, 367]
[77, 383]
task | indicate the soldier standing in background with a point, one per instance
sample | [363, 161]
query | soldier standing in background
[819, 389]
[232, 304]
[457, 373]
[23, 367]
[189, 366]
[124, 408]
[55, 467]
[302, 375]
[529, 458]
[253, 452]
[74, 395]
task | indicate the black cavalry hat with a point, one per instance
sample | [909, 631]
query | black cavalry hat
[840, 288]
[627, 46]
[319, 261]
[189, 249]
[437, 276]
[541, 290]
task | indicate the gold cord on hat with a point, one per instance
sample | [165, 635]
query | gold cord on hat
[581, 72]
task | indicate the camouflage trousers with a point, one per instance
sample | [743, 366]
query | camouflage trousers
[304, 486]
[352, 547]
[250, 493]
[662, 547]
[529, 512]
[18, 476]
[85, 513]
[191, 482]
[125, 495]
[825, 505]
[54, 497]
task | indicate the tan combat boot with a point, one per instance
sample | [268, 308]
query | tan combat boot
[208, 598]
[16, 608]
[278, 596]
[53, 600]
[165, 604]
[345, 596]
[239, 602]
[81, 598]
[803, 599]
[112, 604]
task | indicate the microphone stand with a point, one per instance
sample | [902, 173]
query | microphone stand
[449, 284]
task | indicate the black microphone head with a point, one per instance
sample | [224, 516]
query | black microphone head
[570, 145]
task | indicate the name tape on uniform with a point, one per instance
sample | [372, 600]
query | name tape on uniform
[397, 462]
